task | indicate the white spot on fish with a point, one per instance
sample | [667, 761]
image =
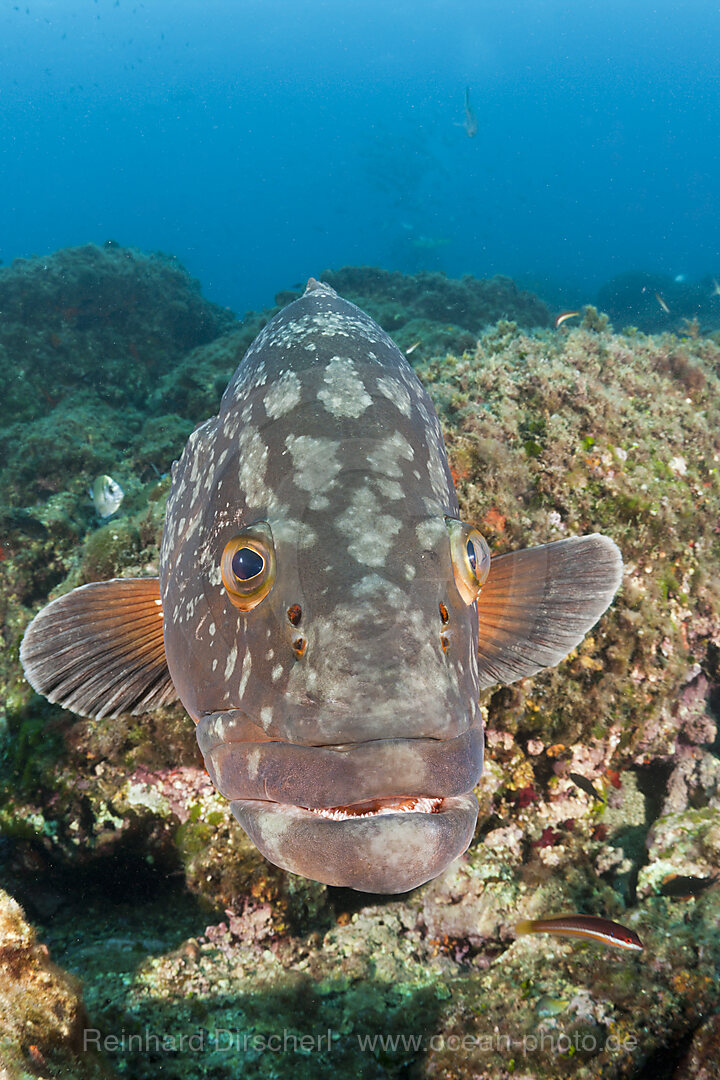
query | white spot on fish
[253, 454]
[288, 529]
[431, 532]
[433, 507]
[387, 456]
[230, 662]
[371, 532]
[245, 673]
[424, 414]
[389, 488]
[283, 395]
[344, 393]
[395, 392]
[314, 461]
[436, 472]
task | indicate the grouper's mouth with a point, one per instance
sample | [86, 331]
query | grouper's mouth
[375, 807]
[335, 814]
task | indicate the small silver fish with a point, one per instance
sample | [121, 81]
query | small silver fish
[662, 303]
[106, 495]
[323, 613]
[471, 124]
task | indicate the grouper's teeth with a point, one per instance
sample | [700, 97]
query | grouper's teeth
[376, 807]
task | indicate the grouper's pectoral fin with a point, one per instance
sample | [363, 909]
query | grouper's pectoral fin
[99, 649]
[538, 604]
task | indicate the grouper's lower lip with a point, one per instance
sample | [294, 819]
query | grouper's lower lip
[383, 851]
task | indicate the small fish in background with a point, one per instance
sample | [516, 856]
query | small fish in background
[411, 349]
[563, 316]
[471, 124]
[585, 927]
[662, 303]
[106, 495]
[587, 786]
[681, 887]
[421, 242]
[549, 1006]
[715, 288]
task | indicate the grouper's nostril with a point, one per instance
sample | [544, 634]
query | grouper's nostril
[445, 619]
[294, 614]
[299, 646]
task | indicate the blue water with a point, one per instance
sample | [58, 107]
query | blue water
[262, 141]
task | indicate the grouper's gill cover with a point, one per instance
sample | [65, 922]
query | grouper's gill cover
[314, 620]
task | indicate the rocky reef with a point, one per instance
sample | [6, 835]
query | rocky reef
[43, 1017]
[196, 958]
[431, 314]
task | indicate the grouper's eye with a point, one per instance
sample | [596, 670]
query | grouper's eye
[470, 558]
[247, 566]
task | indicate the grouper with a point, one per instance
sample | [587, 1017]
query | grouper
[323, 613]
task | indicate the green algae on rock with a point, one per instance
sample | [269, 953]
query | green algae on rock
[107, 317]
[470, 304]
[557, 434]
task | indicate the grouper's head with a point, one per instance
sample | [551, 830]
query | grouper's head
[318, 597]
